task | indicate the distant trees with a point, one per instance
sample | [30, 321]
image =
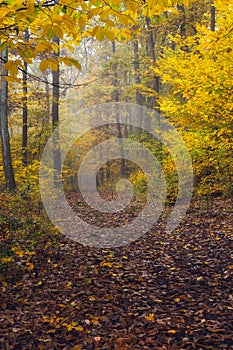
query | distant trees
[174, 59]
[69, 22]
[180, 64]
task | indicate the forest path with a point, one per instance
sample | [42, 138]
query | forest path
[164, 291]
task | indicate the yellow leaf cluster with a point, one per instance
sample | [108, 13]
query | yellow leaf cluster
[70, 21]
[59, 322]
[150, 317]
[106, 263]
[50, 62]
[6, 259]
[12, 67]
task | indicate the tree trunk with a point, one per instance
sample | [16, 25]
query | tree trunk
[25, 110]
[47, 97]
[139, 97]
[5, 136]
[182, 25]
[213, 17]
[55, 105]
[55, 119]
[151, 101]
[116, 98]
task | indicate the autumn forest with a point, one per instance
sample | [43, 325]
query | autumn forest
[116, 163]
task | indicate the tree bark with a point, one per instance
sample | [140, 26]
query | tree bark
[47, 97]
[139, 97]
[116, 98]
[25, 110]
[55, 119]
[151, 101]
[213, 17]
[182, 25]
[5, 136]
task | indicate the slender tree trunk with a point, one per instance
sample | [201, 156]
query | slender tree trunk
[47, 99]
[25, 110]
[139, 98]
[55, 119]
[183, 29]
[5, 136]
[108, 165]
[182, 25]
[116, 98]
[213, 17]
[55, 105]
[151, 101]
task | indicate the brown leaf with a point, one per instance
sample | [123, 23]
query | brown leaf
[77, 347]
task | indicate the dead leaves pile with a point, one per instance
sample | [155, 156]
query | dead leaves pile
[164, 291]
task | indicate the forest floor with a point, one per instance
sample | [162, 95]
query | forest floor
[163, 291]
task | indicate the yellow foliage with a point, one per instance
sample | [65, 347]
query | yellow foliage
[150, 317]
[12, 67]
[58, 31]
[95, 320]
[18, 251]
[67, 23]
[198, 98]
[43, 65]
[59, 322]
[43, 47]
[106, 263]
[30, 266]
[6, 260]
[52, 63]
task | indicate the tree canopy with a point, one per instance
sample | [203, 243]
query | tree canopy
[70, 21]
